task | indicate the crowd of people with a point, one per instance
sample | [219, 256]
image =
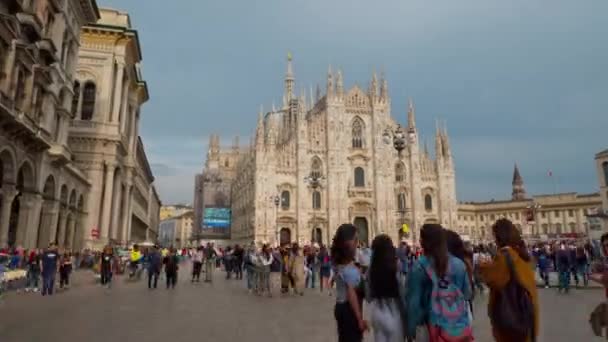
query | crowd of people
[423, 291]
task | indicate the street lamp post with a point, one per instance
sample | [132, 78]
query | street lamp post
[398, 138]
[276, 199]
[314, 181]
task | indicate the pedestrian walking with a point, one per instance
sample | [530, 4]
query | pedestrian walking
[513, 304]
[197, 264]
[107, 266]
[324, 268]
[386, 298]
[238, 262]
[348, 310]
[275, 271]
[171, 268]
[65, 269]
[33, 271]
[564, 266]
[155, 264]
[438, 291]
[210, 255]
[49, 263]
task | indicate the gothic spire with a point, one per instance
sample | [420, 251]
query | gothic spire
[318, 93]
[519, 191]
[439, 148]
[383, 87]
[339, 84]
[289, 81]
[411, 115]
[373, 86]
[330, 83]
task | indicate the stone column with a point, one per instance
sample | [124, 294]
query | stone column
[50, 209]
[8, 195]
[129, 213]
[117, 96]
[33, 219]
[116, 205]
[63, 217]
[71, 232]
[107, 201]
[126, 214]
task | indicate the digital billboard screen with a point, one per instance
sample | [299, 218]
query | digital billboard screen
[216, 218]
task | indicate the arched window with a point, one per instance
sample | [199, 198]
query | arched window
[399, 172]
[316, 200]
[20, 89]
[316, 168]
[605, 169]
[285, 199]
[428, 203]
[357, 133]
[359, 177]
[75, 98]
[401, 202]
[88, 101]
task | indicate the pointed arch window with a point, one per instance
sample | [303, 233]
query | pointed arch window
[316, 200]
[75, 98]
[316, 168]
[358, 141]
[401, 202]
[399, 172]
[285, 199]
[88, 101]
[359, 177]
[20, 89]
[428, 203]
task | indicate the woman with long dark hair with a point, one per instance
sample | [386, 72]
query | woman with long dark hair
[511, 260]
[438, 284]
[386, 315]
[348, 310]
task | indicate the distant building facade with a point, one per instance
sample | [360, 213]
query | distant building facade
[177, 231]
[601, 160]
[540, 217]
[214, 185]
[168, 211]
[123, 205]
[43, 193]
[336, 138]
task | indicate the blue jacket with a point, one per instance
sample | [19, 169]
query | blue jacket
[420, 287]
[155, 262]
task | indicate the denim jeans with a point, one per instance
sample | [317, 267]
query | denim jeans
[564, 280]
[48, 282]
[311, 278]
[582, 271]
[250, 277]
[32, 278]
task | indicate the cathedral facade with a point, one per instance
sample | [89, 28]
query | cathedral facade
[323, 160]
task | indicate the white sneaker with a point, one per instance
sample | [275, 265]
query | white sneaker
[36, 289]
[27, 289]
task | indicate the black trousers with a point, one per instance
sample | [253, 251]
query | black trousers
[171, 279]
[348, 327]
[106, 275]
[238, 269]
[152, 279]
[196, 270]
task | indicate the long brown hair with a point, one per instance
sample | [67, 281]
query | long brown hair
[507, 235]
[433, 242]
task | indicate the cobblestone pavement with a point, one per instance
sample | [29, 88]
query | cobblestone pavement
[224, 311]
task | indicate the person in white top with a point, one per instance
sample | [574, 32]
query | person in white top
[197, 264]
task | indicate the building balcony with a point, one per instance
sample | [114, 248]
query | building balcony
[22, 127]
[31, 24]
[360, 191]
[60, 154]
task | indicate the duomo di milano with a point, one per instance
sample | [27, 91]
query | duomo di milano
[73, 169]
[323, 159]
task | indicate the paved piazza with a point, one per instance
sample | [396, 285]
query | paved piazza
[223, 311]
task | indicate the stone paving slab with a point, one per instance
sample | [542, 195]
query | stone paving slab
[224, 311]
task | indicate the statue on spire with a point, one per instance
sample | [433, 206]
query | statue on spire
[411, 115]
[339, 84]
[330, 83]
[289, 81]
[383, 87]
[373, 87]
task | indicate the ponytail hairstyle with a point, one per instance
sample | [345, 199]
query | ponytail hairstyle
[340, 252]
[434, 244]
[507, 235]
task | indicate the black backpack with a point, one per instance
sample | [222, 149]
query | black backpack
[513, 310]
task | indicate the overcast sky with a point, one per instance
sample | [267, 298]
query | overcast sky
[517, 81]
